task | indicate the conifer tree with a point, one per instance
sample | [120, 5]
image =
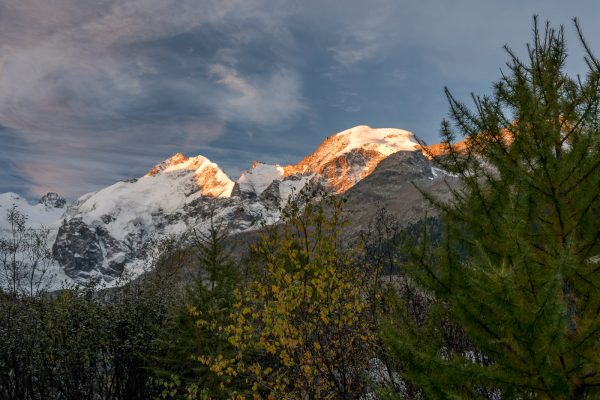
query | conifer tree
[195, 327]
[512, 293]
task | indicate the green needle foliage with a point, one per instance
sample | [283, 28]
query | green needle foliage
[512, 293]
[195, 326]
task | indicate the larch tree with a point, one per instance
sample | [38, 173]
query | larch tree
[512, 292]
[195, 329]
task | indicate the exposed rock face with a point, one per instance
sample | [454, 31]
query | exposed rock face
[169, 162]
[345, 171]
[53, 200]
[271, 194]
[107, 232]
[461, 147]
[87, 252]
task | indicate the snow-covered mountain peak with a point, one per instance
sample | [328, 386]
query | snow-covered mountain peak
[343, 159]
[170, 185]
[384, 140]
[105, 233]
[105, 230]
[259, 177]
[170, 162]
[209, 178]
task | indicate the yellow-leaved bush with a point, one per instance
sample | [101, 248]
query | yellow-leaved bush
[303, 325]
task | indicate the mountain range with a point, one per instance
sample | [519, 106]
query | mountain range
[103, 234]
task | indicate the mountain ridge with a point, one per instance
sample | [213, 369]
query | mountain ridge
[102, 234]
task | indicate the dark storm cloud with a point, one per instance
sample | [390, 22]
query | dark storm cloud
[92, 91]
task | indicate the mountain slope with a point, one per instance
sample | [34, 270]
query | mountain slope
[46, 212]
[103, 232]
[168, 187]
[396, 183]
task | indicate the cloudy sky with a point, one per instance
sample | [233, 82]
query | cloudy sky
[93, 91]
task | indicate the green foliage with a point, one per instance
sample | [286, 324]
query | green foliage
[510, 297]
[80, 344]
[195, 326]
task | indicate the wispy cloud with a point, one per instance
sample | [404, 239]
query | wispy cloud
[77, 80]
[268, 100]
[97, 90]
[366, 40]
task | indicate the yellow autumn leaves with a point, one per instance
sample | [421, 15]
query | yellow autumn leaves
[303, 318]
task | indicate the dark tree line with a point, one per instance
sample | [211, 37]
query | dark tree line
[80, 343]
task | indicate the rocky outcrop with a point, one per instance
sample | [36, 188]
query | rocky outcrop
[345, 171]
[53, 200]
[87, 252]
[102, 247]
